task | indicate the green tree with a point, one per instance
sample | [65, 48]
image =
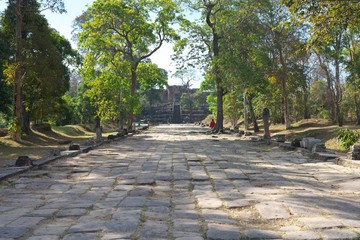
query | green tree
[126, 31]
[84, 111]
[331, 24]
[47, 74]
[244, 59]
[285, 48]
[5, 86]
[18, 9]
[203, 45]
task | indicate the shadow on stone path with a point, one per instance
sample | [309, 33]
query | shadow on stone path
[175, 182]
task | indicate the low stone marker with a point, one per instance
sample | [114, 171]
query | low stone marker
[111, 137]
[23, 161]
[295, 143]
[309, 142]
[355, 152]
[266, 117]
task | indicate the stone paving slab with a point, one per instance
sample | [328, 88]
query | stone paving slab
[272, 210]
[174, 182]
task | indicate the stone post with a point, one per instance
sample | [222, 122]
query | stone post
[266, 116]
[98, 130]
[355, 152]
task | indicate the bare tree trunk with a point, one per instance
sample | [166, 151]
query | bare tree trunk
[219, 89]
[220, 109]
[19, 72]
[284, 77]
[98, 129]
[330, 94]
[253, 117]
[306, 105]
[246, 120]
[26, 122]
[132, 93]
[121, 115]
[338, 95]
[211, 22]
[357, 110]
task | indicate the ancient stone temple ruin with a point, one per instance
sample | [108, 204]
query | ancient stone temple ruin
[170, 109]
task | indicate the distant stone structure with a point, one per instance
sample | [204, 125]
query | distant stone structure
[169, 110]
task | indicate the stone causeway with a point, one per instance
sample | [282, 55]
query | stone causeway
[176, 182]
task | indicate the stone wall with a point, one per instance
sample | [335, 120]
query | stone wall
[167, 109]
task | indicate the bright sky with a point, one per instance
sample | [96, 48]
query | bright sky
[63, 24]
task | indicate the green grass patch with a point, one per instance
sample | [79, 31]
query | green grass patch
[72, 131]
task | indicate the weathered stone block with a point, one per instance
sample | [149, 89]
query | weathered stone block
[310, 142]
[74, 147]
[355, 148]
[355, 152]
[296, 143]
[318, 147]
[355, 156]
[111, 137]
[23, 161]
[305, 142]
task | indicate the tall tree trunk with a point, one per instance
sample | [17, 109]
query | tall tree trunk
[219, 89]
[306, 105]
[19, 72]
[211, 22]
[284, 78]
[253, 117]
[330, 90]
[98, 129]
[132, 102]
[338, 91]
[220, 109]
[121, 115]
[246, 118]
[191, 111]
[26, 122]
[357, 110]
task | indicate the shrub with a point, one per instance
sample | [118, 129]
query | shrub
[346, 137]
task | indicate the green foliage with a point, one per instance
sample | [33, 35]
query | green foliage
[188, 101]
[232, 106]
[47, 56]
[117, 52]
[14, 126]
[150, 76]
[3, 121]
[84, 111]
[346, 137]
[5, 86]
